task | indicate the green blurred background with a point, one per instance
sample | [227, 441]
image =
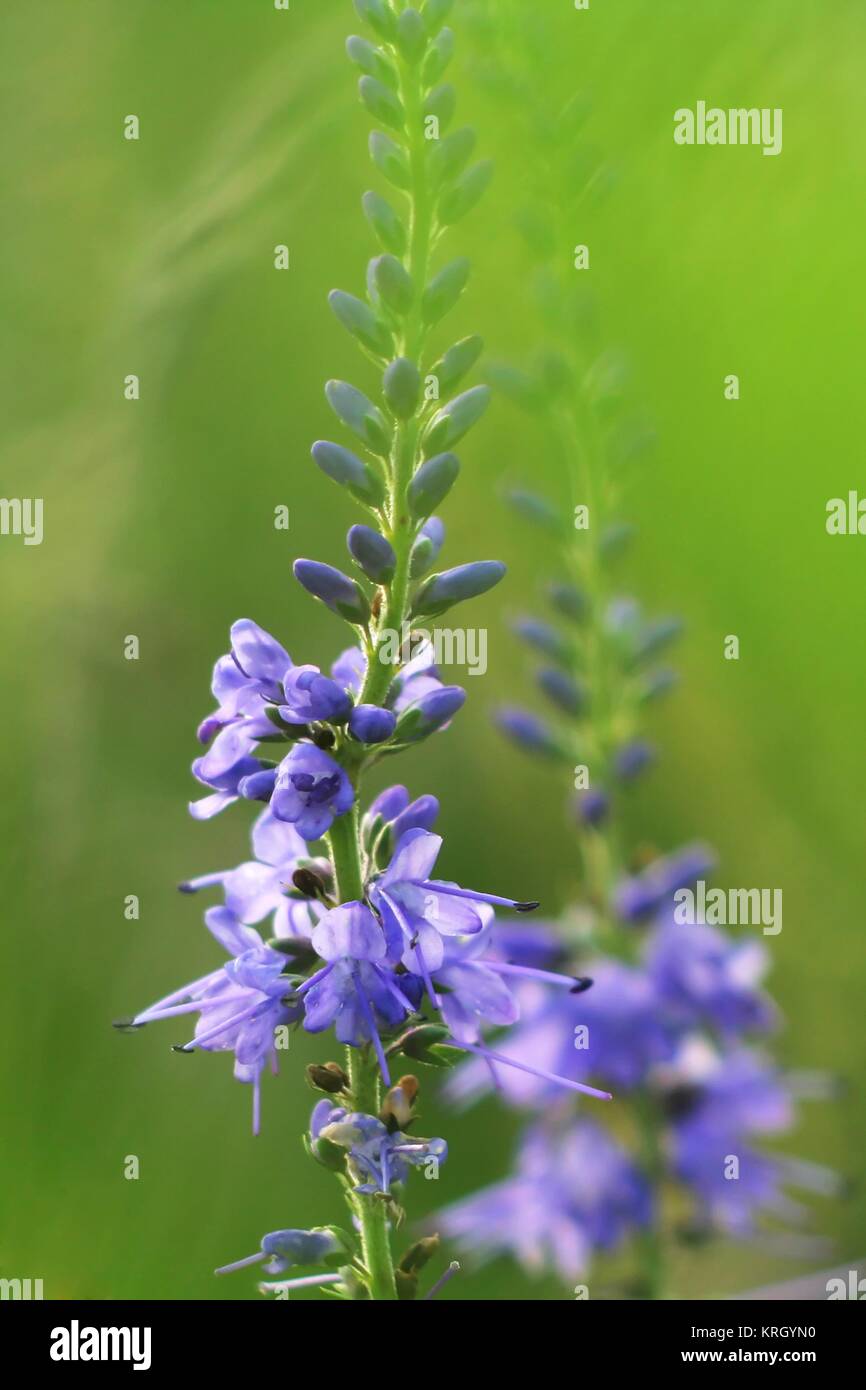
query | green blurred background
[156, 258]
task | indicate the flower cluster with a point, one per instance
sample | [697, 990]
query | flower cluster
[672, 1015]
[337, 924]
[675, 1011]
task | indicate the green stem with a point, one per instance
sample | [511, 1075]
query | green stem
[371, 1211]
[363, 1071]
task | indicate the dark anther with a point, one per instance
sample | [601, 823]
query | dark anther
[581, 985]
[526, 907]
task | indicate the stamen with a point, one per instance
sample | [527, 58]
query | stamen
[193, 885]
[549, 977]
[242, 1264]
[371, 1024]
[433, 886]
[314, 979]
[257, 1104]
[307, 1282]
[532, 1071]
[453, 1268]
[221, 1028]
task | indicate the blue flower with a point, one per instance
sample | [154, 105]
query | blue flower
[719, 1104]
[574, 1191]
[703, 977]
[260, 888]
[379, 1158]
[614, 1032]
[225, 767]
[243, 681]
[291, 1249]
[645, 894]
[372, 724]
[357, 991]
[311, 790]
[239, 1005]
[427, 910]
[311, 696]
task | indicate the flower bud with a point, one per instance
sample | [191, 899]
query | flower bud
[411, 35]
[452, 154]
[339, 593]
[402, 387]
[592, 806]
[358, 318]
[372, 724]
[426, 547]
[528, 731]
[383, 104]
[435, 12]
[543, 638]
[562, 690]
[535, 508]
[568, 601]
[457, 362]
[443, 591]
[372, 553]
[462, 197]
[429, 713]
[420, 1254]
[396, 1111]
[456, 419]
[372, 61]
[444, 290]
[438, 57]
[385, 223]
[393, 282]
[359, 415]
[353, 473]
[379, 15]
[431, 484]
[390, 160]
[441, 103]
[330, 1078]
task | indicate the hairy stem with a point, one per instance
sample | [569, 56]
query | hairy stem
[363, 1072]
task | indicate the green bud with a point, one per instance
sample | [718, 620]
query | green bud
[438, 57]
[382, 103]
[379, 15]
[372, 61]
[444, 290]
[456, 419]
[358, 318]
[411, 35]
[457, 361]
[457, 201]
[419, 1254]
[431, 484]
[441, 103]
[386, 224]
[394, 283]
[390, 159]
[450, 157]
[402, 387]
[359, 415]
[434, 14]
